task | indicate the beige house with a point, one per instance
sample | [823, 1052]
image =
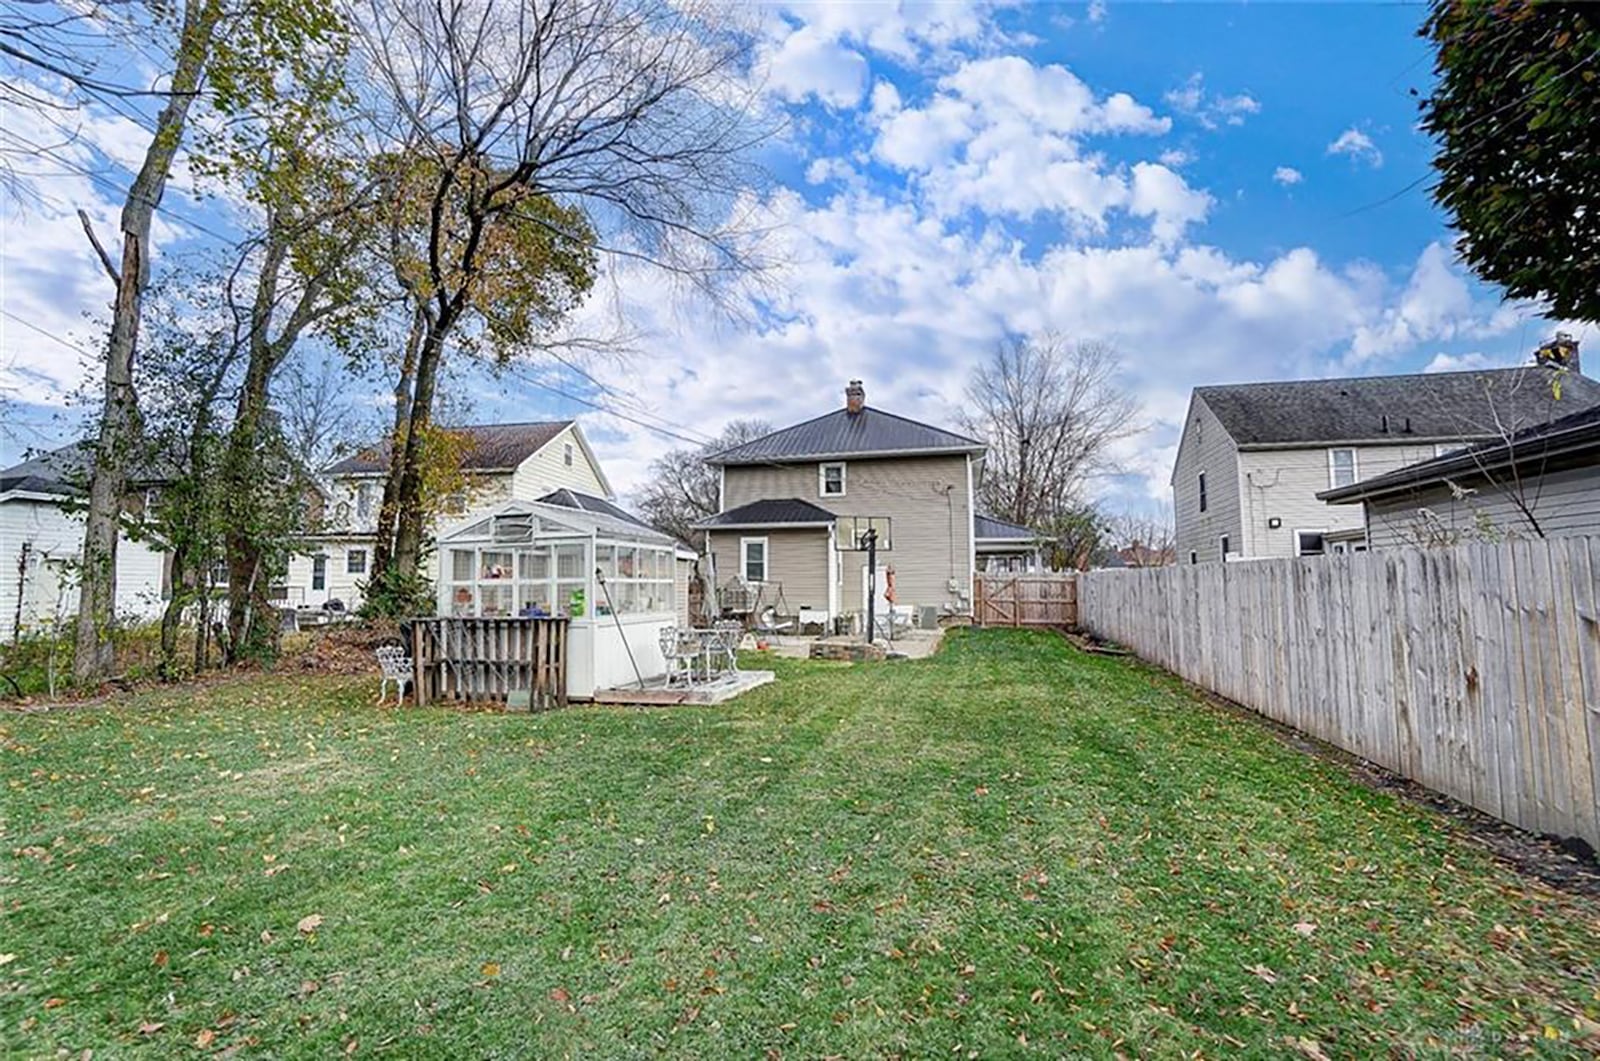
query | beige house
[795, 505]
[502, 462]
[1253, 457]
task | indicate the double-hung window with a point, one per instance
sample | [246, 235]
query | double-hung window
[753, 559]
[355, 562]
[1202, 491]
[830, 479]
[1341, 467]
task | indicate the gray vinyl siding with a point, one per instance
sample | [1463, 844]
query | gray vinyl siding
[1283, 484]
[1206, 447]
[924, 497]
[797, 561]
[1565, 503]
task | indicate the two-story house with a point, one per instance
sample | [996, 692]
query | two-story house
[500, 463]
[1253, 457]
[795, 504]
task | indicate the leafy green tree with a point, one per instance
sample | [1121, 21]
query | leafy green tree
[230, 54]
[1515, 112]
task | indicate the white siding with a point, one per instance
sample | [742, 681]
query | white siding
[1283, 484]
[924, 497]
[1564, 502]
[1206, 447]
[55, 539]
[548, 470]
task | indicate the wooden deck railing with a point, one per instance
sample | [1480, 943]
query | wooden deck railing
[1025, 600]
[490, 659]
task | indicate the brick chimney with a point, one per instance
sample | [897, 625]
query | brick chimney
[855, 397]
[1560, 352]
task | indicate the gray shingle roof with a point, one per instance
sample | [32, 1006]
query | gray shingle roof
[1567, 441]
[66, 471]
[844, 434]
[989, 528]
[1440, 406]
[771, 512]
[493, 447]
[589, 503]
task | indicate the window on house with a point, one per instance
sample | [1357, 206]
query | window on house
[1202, 491]
[364, 496]
[455, 504]
[566, 455]
[1194, 557]
[319, 572]
[753, 559]
[219, 573]
[1341, 467]
[830, 478]
[1309, 543]
[1227, 546]
[355, 562]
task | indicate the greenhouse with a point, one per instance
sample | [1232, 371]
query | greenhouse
[616, 579]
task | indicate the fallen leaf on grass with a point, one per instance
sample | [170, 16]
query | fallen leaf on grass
[309, 923]
[490, 969]
[1305, 928]
[1309, 1048]
[204, 1039]
[150, 1027]
[274, 870]
[1263, 972]
[54, 1003]
[160, 959]
[559, 994]
[7, 959]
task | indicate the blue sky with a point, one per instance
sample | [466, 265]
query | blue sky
[1223, 192]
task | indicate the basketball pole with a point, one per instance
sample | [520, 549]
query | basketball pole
[871, 538]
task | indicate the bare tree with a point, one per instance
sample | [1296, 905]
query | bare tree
[1144, 539]
[318, 418]
[619, 126]
[683, 489]
[1050, 411]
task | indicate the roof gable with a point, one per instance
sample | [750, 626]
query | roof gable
[490, 448]
[842, 434]
[1393, 409]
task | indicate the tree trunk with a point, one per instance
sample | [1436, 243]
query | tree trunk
[250, 634]
[93, 656]
[388, 512]
[411, 514]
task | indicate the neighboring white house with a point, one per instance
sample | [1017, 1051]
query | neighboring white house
[41, 540]
[502, 462]
[1253, 457]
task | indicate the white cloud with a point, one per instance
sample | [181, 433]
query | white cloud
[807, 63]
[1358, 146]
[1097, 10]
[1287, 176]
[1175, 158]
[1161, 195]
[1462, 362]
[1211, 110]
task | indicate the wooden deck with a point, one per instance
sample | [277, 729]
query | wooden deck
[657, 694]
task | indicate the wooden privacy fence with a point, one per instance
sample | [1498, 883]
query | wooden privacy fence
[1474, 670]
[1025, 600]
[489, 659]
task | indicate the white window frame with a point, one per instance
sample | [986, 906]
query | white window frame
[1355, 466]
[1321, 533]
[744, 560]
[822, 478]
[1200, 491]
[1223, 543]
[319, 558]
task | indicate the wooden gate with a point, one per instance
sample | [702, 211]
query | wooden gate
[489, 659]
[1025, 600]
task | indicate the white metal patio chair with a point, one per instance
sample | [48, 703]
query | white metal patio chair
[725, 647]
[680, 648]
[396, 667]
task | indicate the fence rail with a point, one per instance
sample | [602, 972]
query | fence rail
[1473, 670]
[1025, 600]
[490, 659]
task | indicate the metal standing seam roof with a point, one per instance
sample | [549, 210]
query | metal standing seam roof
[1394, 409]
[1566, 437]
[771, 512]
[493, 447]
[991, 528]
[845, 434]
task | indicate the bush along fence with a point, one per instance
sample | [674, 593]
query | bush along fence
[1473, 670]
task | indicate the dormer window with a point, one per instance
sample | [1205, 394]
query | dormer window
[830, 479]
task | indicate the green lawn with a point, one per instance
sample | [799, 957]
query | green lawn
[1008, 849]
